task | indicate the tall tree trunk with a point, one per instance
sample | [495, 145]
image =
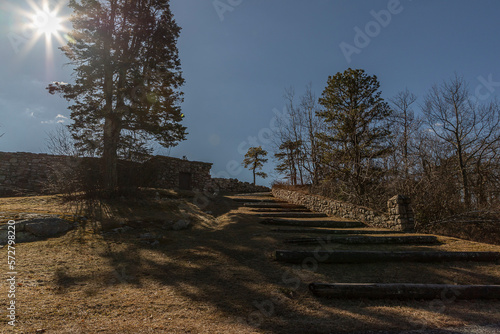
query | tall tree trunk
[110, 158]
[463, 172]
[112, 128]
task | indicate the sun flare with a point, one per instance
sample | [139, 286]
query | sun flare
[47, 22]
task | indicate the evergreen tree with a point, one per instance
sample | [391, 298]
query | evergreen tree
[254, 159]
[356, 134]
[127, 79]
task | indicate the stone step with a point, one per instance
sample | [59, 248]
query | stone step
[346, 256]
[405, 291]
[392, 240]
[328, 231]
[293, 215]
[265, 205]
[313, 223]
[260, 194]
[271, 210]
[256, 200]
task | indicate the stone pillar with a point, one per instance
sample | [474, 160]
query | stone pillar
[400, 214]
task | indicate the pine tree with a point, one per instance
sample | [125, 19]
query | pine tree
[254, 158]
[356, 134]
[128, 78]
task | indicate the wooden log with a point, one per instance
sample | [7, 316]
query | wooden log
[258, 194]
[404, 239]
[405, 291]
[327, 231]
[273, 205]
[256, 200]
[271, 210]
[346, 256]
[293, 215]
[313, 223]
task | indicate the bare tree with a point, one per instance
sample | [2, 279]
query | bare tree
[312, 124]
[60, 142]
[406, 126]
[299, 127]
[471, 129]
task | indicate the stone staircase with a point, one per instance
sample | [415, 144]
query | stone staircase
[299, 229]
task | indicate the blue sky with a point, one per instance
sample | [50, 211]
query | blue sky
[239, 55]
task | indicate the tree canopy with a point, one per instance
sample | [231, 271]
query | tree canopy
[254, 158]
[356, 134]
[127, 79]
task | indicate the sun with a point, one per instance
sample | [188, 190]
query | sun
[47, 22]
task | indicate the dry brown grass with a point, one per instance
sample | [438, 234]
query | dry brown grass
[213, 278]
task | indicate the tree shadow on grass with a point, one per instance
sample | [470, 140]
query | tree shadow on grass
[231, 269]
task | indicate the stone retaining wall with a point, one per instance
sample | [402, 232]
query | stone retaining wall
[399, 216]
[234, 185]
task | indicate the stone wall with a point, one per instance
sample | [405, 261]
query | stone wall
[234, 185]
[29, 173]
[165, 172]
[399, 216]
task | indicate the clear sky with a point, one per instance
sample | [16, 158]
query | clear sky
[238, 56]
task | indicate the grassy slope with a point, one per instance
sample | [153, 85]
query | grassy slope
[217, 277]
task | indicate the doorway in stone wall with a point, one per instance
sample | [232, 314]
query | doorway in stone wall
[185, 180]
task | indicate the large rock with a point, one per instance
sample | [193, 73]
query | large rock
[47, 227]
[34, 229]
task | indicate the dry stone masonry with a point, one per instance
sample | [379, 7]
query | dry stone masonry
[32, 174]
[234, 185]
[399, 216]
[28, 173]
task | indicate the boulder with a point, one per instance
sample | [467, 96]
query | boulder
[47, 227]
[181, 224]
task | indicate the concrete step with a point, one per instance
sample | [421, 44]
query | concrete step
[357, 240]
[405, 291]
[293, 215]
[312, 223]
[328, 231]
[345, 256]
